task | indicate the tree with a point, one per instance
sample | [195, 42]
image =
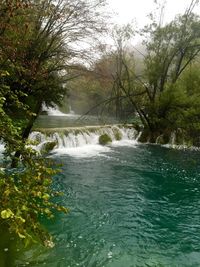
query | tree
[170, 50]
[39, 43]
[113, 74]
[39, 47]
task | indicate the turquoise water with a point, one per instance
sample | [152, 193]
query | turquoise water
[131, 206]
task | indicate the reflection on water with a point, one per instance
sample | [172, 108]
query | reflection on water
[70, 120]
[131, 206]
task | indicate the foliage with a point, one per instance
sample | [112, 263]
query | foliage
[102, 88]
[164, 94]
[88, 90]
[171, 51]
[25, 195]
[37, 52]
[38, 48]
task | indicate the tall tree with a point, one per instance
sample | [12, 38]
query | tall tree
[39, 42]
[170, 50]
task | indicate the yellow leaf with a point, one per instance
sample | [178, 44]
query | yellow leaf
[5, 214]
[21, 219]
[21, 236]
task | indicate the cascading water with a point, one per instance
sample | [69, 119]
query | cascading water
[54, 111]
[83, 139]
[2, 149]
[70, 110]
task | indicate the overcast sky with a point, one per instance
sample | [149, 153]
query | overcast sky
[138, 9]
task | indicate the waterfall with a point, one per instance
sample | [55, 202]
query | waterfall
[54, 111]
[172, 140]
[65, 140]
[70, 110]
[2, 148]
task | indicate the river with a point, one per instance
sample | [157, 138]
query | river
[131, 205]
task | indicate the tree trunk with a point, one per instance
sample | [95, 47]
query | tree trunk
[25, 134]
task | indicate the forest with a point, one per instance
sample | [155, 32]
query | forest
[54, 52]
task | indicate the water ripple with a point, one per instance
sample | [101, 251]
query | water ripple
[139, 207]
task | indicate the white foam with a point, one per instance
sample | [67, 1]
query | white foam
[125, 142]
[2, 148]
[54, 111]
[86, 151]
[181, 147]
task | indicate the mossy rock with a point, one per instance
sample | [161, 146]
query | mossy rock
[48, 147]
[183, 138]
[117, 134]
[145, 136]
[104, 139]
[160, 140]
[137, 126]
[163, 138]
[196, 141]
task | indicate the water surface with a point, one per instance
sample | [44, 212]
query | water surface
[130, 206]
[70, 120]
